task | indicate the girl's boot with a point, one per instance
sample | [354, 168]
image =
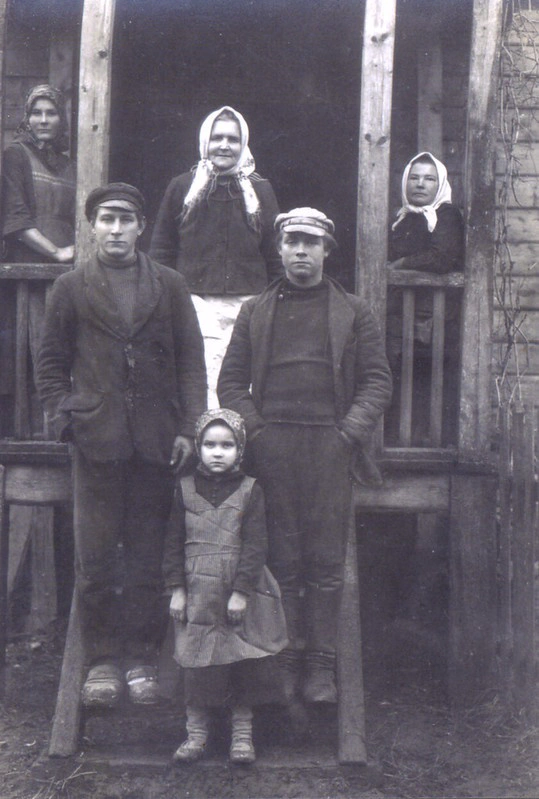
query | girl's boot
[197, 734]
[241, 747]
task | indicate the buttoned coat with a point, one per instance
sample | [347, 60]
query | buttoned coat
[117, 389]
[361, 375]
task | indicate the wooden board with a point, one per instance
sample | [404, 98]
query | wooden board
[475, 419]
[4, 559]
[43, 598]
[374, 151]
[64, 740]
[406, 493]
[430, 88]
[41, 485]
[351, 709]
[472, 592]
[93, 130]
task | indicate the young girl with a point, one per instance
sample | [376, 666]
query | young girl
[225, 603]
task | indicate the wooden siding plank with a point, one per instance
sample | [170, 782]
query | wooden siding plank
[32, 271]
[94, 110]
[524, 359]
[472, 593]
[425, 493]
[475, 420]
[374, 147]
[38, 485]
[523, 226]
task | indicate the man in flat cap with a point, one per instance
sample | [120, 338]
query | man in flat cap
[121, 374]
[306, 369]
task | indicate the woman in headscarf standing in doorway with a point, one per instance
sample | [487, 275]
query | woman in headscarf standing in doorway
[38, 200]
[215, 226]
[427, 236]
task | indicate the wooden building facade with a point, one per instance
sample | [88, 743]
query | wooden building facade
[339, 95]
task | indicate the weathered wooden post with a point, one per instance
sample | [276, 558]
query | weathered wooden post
[371, 252]
[473, 492]
[92, 170]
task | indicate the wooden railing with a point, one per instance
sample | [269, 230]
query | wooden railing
[406, 400]
[24, 275]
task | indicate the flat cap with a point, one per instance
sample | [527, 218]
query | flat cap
[305, 220]
[115, 195]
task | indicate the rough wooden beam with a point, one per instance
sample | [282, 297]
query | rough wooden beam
[94, 109]
[429, 88]
[351, 710]
[472, 590]
[374, 146]
[406, 493]
[3, 17]
[61, 66]
[66, 724]
[4, 559]
[475, 415]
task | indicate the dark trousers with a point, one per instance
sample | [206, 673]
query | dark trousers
[127, 502]
[304, 471]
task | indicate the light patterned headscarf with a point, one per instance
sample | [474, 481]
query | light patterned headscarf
[229, 418]
[206, 174]
[443, 195]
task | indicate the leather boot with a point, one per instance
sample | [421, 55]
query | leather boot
[197, 727]
[289, 661]
[319, 685]
[241, 746]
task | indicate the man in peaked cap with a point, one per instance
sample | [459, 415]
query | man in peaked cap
[121, 374]
[306, 368]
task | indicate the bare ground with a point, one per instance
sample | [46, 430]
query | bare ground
[416, 747]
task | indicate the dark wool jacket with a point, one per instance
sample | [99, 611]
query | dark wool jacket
[115, 390]
[217, 488]
[361, 375]
[215, 249]
[439, 252]
[18, 198]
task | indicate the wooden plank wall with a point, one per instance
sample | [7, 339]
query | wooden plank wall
[519, 114]
[26, 65]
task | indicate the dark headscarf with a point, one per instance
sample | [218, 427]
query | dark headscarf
[24, 132]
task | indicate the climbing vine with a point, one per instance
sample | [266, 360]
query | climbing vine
[519, 118]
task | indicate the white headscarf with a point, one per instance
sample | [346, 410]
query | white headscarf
[443, 195]
[206, 174]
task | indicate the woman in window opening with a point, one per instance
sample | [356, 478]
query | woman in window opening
[38, 202]
[215, 226]
[427, 236]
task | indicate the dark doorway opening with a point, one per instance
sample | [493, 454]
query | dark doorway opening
[292, 67]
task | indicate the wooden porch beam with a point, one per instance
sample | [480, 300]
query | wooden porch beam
[3, 26]
[94, 109]
[430, 88]
[374, 148]
[479, 189]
